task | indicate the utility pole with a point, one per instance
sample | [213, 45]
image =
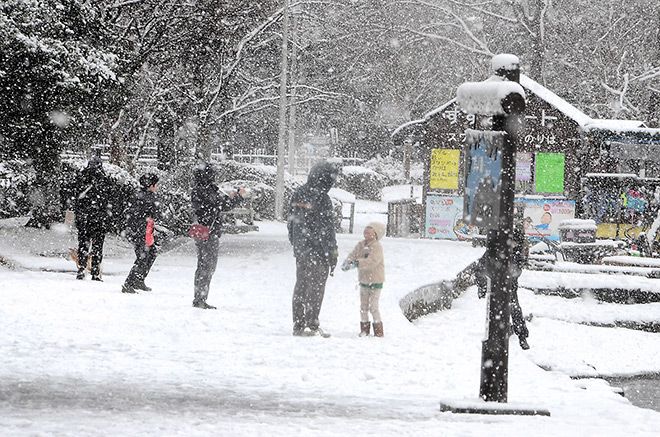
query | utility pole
[281, 143]
[292, 99]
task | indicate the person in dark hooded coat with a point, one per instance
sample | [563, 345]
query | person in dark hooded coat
[92, 211]
[141, 217]
[311, 227]
[208, 203]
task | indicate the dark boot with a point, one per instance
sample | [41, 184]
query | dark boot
[378, 329]
[142, 286]
[81, 273]
[365, 327]
[128, 289]
[96, 278]
[203, 305]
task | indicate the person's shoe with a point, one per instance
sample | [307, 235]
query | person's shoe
[298, 332]
[142, 286]
[81, 274]
[128, 289]
[523, 343]
[365, 328]
[316, 332]
[97, 278]
[378, 329]
[203, 305]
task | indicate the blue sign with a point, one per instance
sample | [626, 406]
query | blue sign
[482, 178]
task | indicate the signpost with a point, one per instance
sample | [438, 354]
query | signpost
[490, 174]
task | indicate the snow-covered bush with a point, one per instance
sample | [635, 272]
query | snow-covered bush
[393, 170]
[16, 177]
[361, 181]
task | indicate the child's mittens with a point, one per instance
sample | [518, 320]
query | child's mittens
[348, 264]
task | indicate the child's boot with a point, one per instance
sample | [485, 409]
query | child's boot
[378, 329]
[364, 329]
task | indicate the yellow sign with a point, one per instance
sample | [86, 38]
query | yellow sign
[444, 169]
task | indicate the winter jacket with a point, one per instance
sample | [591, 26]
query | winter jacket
[370, 262]
[209, 202]
[91, 203]
[142, 207]
[311, 223]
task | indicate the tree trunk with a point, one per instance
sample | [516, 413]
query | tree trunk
[116, 140]
[167, 153]
[203, 147]
[537, 43]
[45, 196]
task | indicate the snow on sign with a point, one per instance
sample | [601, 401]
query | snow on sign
[483, 154]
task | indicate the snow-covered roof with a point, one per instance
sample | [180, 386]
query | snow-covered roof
[406, 125]
[614, 125]
[611, 175]
[555, 101]
[439, 109]
[583, 120]
[652, 132]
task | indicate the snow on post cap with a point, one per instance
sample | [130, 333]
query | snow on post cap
[504, 61]
[485, 98]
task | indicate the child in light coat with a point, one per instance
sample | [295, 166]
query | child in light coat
[367, 256]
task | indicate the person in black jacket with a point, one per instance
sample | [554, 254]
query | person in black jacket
[92, 210]
[142, 215]
[311, 228]
[208, 203]
[519, 257]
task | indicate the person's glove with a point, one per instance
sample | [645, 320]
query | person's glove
[348, 264]
[332, 260]
[162, 232]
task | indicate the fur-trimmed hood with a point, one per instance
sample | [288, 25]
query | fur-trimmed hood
[379, 229]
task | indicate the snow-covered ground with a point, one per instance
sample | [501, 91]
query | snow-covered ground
[81, 358]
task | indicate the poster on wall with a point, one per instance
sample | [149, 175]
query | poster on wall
[550, 172]
[523, 172]
[541, 216]
[444, 169]
[444, 218]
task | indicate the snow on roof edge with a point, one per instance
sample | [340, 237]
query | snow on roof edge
[563, 106]
[554, 100]
[439, 109]
[405, 125]
[614, 124]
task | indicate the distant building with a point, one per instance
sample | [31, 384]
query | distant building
[558, 146]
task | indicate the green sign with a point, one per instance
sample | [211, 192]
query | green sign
[549, 172]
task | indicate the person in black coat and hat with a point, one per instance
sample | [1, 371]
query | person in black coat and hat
[92, 211]
[209, 202]
[141, 217]
[311, 227]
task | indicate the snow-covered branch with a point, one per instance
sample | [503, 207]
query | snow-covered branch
[485, 51]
